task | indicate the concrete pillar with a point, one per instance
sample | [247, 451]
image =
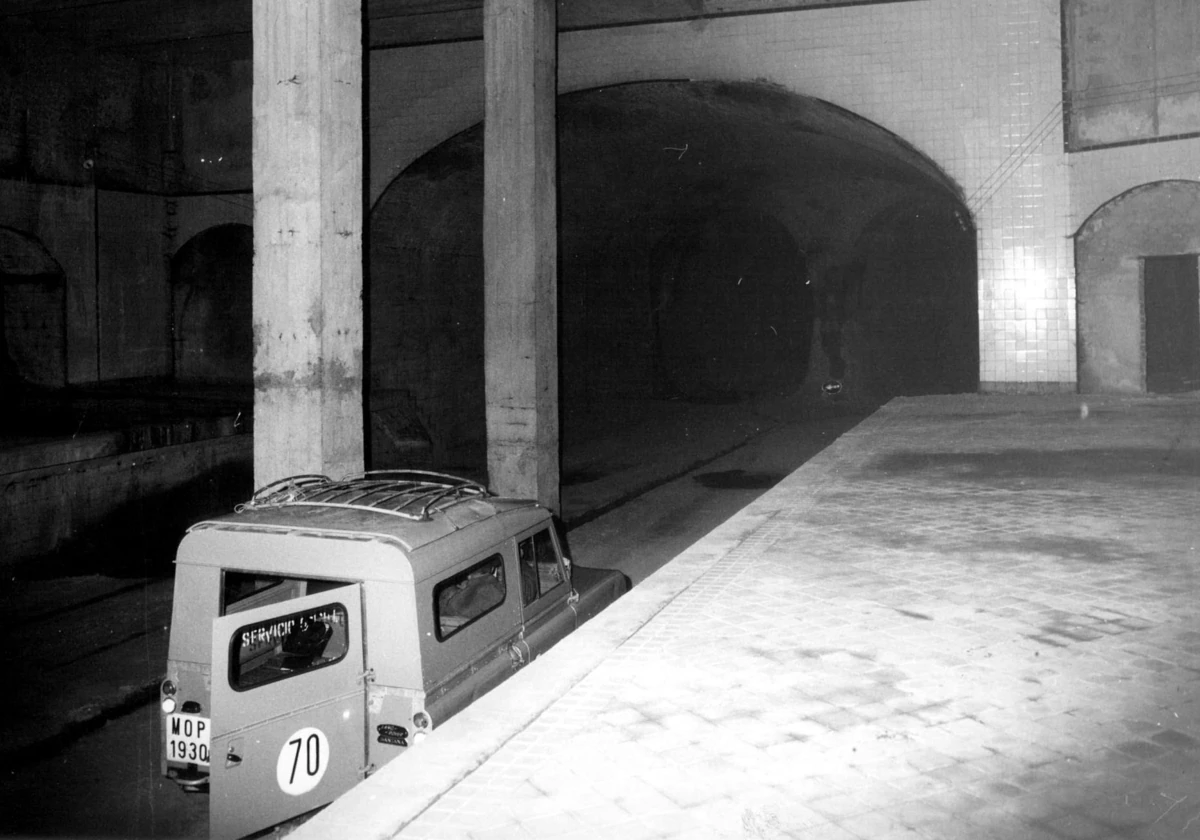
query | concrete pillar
[520, 249]
[308, 220]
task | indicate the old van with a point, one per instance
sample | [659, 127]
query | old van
[325, 627]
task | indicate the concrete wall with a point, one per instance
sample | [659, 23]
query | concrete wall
[62, 220]
[975, 85]
[1132, 74]
[213, 141]
[78, 116]
[1131, 70]
[114, 249]
[100, 492]
[87, 153]
[134, 292]
[109, 488]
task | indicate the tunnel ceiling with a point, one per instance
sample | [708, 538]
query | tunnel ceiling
[636, 158]
[755, 133]
[820, 170]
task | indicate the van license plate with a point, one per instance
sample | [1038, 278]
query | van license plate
[187, 739]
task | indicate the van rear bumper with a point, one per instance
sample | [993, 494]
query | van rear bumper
[189, 779]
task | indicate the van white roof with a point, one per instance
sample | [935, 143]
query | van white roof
[436, 520]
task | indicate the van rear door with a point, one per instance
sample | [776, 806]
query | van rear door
[288, 704]
[546, 595]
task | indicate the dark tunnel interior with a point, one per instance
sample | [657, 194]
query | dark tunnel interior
[718, 242]
[211, 284]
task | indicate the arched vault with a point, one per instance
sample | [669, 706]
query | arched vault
[710, 237]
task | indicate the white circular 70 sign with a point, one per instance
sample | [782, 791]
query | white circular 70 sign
[302, 761]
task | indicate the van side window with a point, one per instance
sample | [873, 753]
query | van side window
[468, 596]
[283, 646]
[541, 570]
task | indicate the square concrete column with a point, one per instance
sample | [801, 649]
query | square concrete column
[520, 248]
[308, 222]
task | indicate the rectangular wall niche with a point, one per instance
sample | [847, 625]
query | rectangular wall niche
[1171, 303]
[1132, 72]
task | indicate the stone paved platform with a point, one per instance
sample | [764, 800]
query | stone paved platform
[970, 617]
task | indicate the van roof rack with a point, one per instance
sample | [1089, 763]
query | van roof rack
[411, 494]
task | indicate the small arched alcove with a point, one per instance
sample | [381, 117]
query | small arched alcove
[33, 320]
[1136, 291]
[211, 298]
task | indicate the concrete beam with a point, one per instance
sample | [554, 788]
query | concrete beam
[153, 24]
[308, 203]
[520, 247]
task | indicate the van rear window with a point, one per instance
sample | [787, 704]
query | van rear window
[468, 596]
[241, 591]
[283, 646]
[239, 586]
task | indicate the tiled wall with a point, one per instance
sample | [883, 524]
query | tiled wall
[974, 84]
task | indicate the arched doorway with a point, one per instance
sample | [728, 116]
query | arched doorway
[1136, 291]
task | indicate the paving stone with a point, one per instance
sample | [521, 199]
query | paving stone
[971, 618]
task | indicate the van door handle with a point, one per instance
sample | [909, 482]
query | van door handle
[232, 759]
[516, 655]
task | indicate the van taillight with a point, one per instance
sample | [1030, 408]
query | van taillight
[423, 723]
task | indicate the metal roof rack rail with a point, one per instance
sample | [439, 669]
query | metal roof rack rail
[411, 494]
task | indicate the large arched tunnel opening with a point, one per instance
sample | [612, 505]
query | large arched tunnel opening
[718, 243]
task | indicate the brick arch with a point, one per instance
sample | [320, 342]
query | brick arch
[1161, 218]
